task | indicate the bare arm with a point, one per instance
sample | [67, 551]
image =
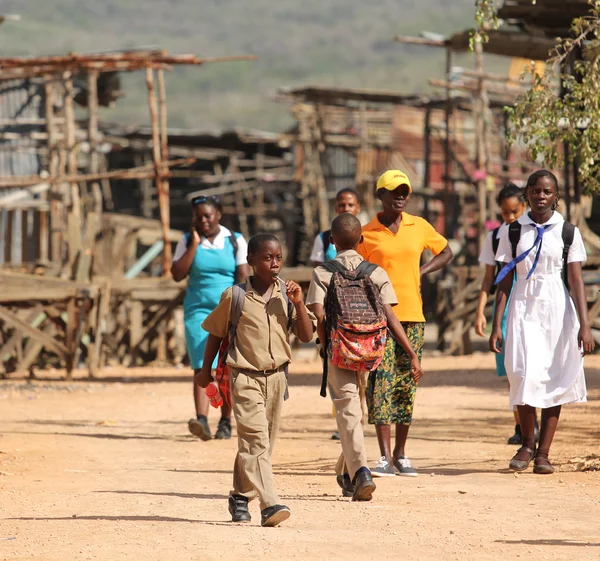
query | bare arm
[181, 267]
[439, 261]
[242, 272]
[304, 325]
[319, 311]
[584, 337]
[486, 286]
[502, 295]
[399, 334]
[204, 377]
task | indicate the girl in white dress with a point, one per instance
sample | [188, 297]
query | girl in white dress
[545, 341]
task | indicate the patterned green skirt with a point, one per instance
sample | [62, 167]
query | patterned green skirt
[391, 389]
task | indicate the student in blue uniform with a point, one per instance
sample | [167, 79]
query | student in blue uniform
[214, 259]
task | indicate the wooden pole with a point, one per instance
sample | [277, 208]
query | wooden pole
[162, 185]
[480, 140]
[93, 136]
[75, 218]
[56, 210]
[447, 160]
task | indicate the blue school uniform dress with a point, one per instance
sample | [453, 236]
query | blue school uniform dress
[212, 271]
[319, 255]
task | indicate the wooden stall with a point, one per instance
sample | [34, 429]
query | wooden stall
[69, 269]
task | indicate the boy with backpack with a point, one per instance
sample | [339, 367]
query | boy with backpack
[258, 353]
[353, 301]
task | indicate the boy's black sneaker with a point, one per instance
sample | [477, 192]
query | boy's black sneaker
[346, 484]
[224, 430]
[363, 485]
[199, 427]
[517, 438]
[274, 515]
[238, 508]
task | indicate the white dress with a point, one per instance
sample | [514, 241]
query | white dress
[542, 357]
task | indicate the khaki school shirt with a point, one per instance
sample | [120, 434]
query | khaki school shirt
[261, 341]
[351, 260]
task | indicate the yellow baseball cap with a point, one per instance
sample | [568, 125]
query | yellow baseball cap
[392, 179]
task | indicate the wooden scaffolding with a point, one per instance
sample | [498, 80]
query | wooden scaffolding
[69, 288]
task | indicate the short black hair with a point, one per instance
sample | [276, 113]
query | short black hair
[509, 191]
[348, 190]
[346, 231]
[539, 174]
[256, 242]
[209, 200]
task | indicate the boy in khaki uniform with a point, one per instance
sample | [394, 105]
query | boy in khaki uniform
[353, 474]
[258, 358]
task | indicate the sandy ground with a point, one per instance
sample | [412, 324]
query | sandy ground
[106, 470]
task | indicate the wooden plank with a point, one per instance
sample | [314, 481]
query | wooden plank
[84, 264]
[72, 324]
[160, 316]
[74, 236]
[33, 332]
[95, 360]
[10, 219]
[136, 322]
[9, 346]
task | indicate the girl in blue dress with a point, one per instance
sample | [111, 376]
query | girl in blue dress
[214, 259]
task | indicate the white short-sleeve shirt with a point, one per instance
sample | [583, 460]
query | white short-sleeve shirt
[241, 257]
[552, 246]
[488, 256]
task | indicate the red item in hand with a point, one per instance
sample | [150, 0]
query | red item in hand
[214, 395]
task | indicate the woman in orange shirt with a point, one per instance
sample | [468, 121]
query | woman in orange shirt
[395, 240]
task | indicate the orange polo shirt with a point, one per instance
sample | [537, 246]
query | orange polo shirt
[400, 255]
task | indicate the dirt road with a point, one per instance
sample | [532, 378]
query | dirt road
[105, 470]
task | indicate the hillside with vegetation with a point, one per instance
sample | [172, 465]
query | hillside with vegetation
[339, 42]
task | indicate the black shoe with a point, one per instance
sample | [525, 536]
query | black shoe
[274, 515]
[516, 438]
[224, 430]
[363, 485]
[199, 427]
[238, 508]
[344, 482]
[335, 435]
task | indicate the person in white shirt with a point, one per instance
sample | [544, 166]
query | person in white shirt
[512, 205]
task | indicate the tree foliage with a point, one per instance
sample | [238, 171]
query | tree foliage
[562, 106]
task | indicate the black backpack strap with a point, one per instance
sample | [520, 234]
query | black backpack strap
[495, 240]
[290, 313]
[514, 235]
[568, 235]
[333, 266]
[326, 236]
[365, 268]
[495, 244]
[234, 243]
[238, 295]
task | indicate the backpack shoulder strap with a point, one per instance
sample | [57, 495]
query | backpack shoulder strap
[568, 235]
[234, 243]
[333, 266]
[514, 235]
[495, 240]
[326, 237]
[238, 294]
[365, 268]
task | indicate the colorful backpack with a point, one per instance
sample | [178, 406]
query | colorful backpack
[355, 321]
[238, 296]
